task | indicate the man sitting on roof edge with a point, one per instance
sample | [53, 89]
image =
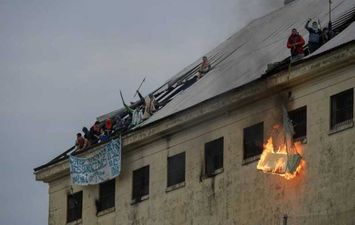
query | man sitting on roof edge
[204, 68]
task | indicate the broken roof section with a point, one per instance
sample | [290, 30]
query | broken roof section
[244, 56]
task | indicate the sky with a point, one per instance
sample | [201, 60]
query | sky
[62, 64]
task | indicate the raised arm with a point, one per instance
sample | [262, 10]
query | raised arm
[307, 25]
[140, 96]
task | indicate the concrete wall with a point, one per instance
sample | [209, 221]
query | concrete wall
[322, 194]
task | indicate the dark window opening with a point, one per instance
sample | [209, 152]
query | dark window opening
[299, 121]
[106, 195]
[213, 156]
[341, 108]
[253, 140]
[176, 169]
[140, 183]
[74, 206]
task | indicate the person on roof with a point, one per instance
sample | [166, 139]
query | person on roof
[149, 103]
[314, 39]
[95, 131]
[108, 126]
[104, 137]
[88, 135]
[295, 44]
[80, 143]
[205, 67]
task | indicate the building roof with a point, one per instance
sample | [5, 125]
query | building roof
[244, 56]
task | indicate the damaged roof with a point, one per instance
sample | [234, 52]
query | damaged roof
[245, 55]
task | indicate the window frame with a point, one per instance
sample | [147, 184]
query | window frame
[175, 171]
[214, 152]
[248, 158]
[71, 211]
[143, 172]
[106, 199]
[333, 124]
[292, 115]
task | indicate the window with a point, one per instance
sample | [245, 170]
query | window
[299, 121]
[253, 138]
[140, 184]
[176, 169]
[74, 206]
[341, 108]
[213, 156]
[106, 195]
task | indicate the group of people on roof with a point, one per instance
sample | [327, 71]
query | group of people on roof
[102, 132]
[135, 114]
[98, 133]
[317, 37]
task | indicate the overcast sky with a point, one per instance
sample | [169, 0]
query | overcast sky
[62, 64]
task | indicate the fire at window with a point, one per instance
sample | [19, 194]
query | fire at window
[281, 154]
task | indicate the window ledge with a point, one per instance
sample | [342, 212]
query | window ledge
[215, 173]
[75, 222]
[143, 198]
[251, 160]
[175, 186]
[106, 211]
[341, 126]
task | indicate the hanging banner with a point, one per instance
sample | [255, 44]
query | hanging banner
[104, 165]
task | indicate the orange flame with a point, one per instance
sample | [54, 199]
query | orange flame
[276, 161]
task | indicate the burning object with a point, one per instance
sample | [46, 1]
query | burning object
[280, 155]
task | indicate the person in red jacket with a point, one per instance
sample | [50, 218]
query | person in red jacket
[295, 43]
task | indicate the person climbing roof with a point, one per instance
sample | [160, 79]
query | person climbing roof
[314, 39]
[295, 44]
[205, 67]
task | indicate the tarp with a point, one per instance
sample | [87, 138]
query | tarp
[104, 165]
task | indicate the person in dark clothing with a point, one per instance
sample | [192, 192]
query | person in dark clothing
[295, 44]
[95, 131]
[88, 135]
[324, 36]
[314, 39]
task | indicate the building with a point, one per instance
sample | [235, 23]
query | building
[194, 161]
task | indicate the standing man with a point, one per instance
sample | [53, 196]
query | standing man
[314, 39]
[295, 44]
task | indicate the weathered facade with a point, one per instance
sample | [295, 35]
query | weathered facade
[321, 194]
[235, 193]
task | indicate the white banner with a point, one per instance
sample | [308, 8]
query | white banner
[104, 165]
